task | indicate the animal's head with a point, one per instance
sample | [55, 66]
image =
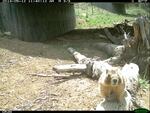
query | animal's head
[113, 77]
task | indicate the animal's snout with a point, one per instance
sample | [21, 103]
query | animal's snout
[114, 81]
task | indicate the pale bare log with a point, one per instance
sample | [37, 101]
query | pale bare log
[70, 68]
[80, 59]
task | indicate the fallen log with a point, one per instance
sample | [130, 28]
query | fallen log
[79, 58]
[134, 49]
[70, 68]
[90, 66]
[94, 69]
[130, 71]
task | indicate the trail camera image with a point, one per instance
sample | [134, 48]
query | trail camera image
[74, 55]
[6, 111]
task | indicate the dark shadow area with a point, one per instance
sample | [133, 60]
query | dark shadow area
[56, 48]
[130, 15]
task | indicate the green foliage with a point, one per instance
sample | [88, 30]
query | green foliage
[91, 16]
[143, 83]
[137, 11]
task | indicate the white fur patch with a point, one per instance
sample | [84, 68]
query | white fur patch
[131, 71]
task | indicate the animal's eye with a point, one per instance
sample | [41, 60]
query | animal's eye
[119, 80]
[109, 75]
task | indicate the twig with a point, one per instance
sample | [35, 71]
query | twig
[38, 74]
[125, 36]
[39, 99]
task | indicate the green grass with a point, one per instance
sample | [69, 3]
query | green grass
[101, 17]
[134, 10]
[143, 83]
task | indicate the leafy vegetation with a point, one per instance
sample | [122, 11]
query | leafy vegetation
[143, 83]
[89, 16]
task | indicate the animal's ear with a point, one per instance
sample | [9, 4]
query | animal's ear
[106, 71]
[109, 75]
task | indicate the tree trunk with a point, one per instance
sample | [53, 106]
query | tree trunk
[138, 47]
[119, 8]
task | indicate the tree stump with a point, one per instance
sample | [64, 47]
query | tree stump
[135, 49]
[126, 104]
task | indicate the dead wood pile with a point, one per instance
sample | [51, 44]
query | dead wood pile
[131, 51]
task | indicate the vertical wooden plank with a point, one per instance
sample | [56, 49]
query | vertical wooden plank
[38, 21]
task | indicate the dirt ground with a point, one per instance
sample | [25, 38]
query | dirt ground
[20, 89]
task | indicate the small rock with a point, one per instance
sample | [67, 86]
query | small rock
[7, 33]
[12, 61]
[30, 57]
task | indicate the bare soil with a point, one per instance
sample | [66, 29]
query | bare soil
[22, 89]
